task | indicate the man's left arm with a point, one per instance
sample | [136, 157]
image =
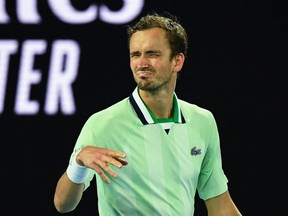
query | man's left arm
[222, 205]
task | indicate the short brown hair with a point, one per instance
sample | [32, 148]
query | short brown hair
[176, 34]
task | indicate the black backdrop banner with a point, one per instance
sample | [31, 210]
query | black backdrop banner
[62, 60]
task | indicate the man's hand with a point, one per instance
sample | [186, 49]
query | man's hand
[99, 160]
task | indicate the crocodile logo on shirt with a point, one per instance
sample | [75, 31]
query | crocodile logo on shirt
[195, 151]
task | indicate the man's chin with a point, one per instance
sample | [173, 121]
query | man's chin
[146, 87]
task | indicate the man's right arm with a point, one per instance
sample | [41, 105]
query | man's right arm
[70, 186]
[67, 194]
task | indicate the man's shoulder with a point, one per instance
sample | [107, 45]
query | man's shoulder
[192, 111]
[191, 107]
[115, 109]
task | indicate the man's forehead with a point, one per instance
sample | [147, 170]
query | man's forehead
[148, 40]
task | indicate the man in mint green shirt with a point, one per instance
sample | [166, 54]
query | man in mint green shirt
[151, 151]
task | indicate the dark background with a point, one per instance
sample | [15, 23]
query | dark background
[236, 67]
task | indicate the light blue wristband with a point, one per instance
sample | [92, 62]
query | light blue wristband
[76, 173]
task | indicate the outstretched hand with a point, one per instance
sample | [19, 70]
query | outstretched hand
[99, 160]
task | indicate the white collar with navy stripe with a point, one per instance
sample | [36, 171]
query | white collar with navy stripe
[143, 112]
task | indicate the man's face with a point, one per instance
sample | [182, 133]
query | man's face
[150, 59]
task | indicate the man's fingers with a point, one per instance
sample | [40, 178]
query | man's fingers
[123, 162]
[101, 159]
[101, 173]
[102, 166]
[115, 161]
[108, 169]
[116, 154]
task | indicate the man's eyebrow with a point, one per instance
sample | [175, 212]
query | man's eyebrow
[134, 52]
[147, 51]
[152, 51]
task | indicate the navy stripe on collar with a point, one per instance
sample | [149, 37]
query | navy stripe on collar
[143, 113]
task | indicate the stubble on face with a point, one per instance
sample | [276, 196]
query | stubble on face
[153, 73]
[147, 84]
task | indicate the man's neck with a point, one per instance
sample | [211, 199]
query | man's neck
[161, 105]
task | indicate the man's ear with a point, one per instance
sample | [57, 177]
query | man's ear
[179, 62]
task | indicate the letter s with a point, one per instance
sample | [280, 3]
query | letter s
[130, 9]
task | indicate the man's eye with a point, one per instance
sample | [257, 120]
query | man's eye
[153, 54]
[133, 55]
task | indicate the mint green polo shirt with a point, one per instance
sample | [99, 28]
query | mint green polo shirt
[168, 160]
